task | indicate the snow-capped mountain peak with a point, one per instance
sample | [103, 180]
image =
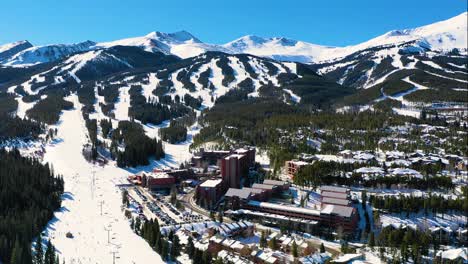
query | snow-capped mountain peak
[11, 49]
[251, 41]
[12, 45]
[443, 35]
[176, 37]
[279, 48]
[155, 41]
[47, 53]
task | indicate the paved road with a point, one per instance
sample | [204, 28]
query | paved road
[189, 202]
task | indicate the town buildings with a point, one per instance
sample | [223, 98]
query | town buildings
[334, 211]
[294, 166]
[210, 191]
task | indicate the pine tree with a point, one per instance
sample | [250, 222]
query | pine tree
[137, 225]
[272, 243]
[206, 257]
[175, 250]
[125, 200]
[173, 195]
[49, 256]
[39, 251]
[344, 247]
[159, 244]
[17, 253]
[294, 249]
[371, 240]
[220, 216]
[190, 248]
[165, 249]
[212, 215]
[263, 241]
[197, 256]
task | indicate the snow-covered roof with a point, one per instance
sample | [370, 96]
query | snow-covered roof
[284, 208]
[337, 195]
[399, 162]
[406, 171]
[262, 186]
[298, 162]
[237, 156]
[211, 183]
[394, 154]
[330, 188]
[363, 156]
[241, 193]
[344, 211]
[328, 200]
[370, 170]
[347, 258]
[273, 182]
[453, 254]
[271, 216]
[328, 158]
[317, 258]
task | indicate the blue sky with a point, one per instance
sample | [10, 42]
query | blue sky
[326, 22]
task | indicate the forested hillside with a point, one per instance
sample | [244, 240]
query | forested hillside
[29, 194]
[14, 127]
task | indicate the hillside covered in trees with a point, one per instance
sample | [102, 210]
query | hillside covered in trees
[29, 195]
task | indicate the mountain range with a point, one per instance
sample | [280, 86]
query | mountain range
[430, 61]
[441, 36]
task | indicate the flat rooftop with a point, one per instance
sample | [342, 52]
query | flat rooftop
[262, 186]
[274, 182]
[211, 183]
[285, 208]
[158, 175]
[330, 188]
[328, 200]
[237, 156]
[299, 162]
[336, 195]
[241, 193]
[331, 209]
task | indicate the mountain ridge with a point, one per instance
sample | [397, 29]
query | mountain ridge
[440, 36]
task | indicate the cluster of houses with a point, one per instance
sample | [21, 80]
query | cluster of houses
[386, 163]
[238, 242]
[231, 250]
[281, 252]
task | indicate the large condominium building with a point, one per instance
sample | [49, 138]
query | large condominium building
[329, 215]
[209, 192]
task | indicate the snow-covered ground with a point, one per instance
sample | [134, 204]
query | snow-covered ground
[294, 97]
[121, 107]
[23, 107]
[81, 208]
[261, 156]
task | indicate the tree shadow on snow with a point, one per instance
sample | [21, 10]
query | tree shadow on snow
[68, 196]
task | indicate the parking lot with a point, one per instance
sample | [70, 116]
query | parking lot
[155, 205]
